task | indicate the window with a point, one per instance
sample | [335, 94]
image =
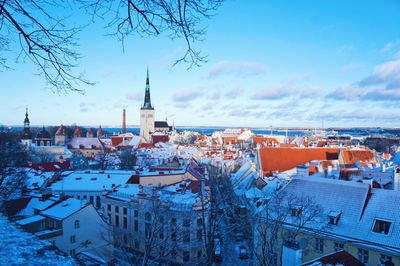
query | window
[125, 211]
[72, 252]
[125, 239]
[116, 209]
[72, 239]
[186, 236]
[125, 222]
[147, 216]
[91, 200]
[136, 225]
[109, 207]
[186, 223]
[199, 235]
[84, 197]
[173, 221]
[173, 235]
[199, 253]
[136, 213]
[186, 256]
[76, 224]
[136, 244]
[384, 258]
[147, 230]
[334, 217]
[338, 247]
[295, 211]
[98, 203]
[319, 244]
[116, 220]
[362, 255]
[381, 227]
[199, 222]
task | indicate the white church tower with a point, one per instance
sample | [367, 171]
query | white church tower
[146, 115]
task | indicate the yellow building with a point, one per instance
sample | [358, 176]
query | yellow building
[326, 216]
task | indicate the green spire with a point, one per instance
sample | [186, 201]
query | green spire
[147, 100]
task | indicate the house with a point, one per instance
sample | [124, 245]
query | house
[89, 185]
[72, 225]
[278, 159]
[353, 217]
[88, 146]
[165, 222]
[161, 126]
[356, 157]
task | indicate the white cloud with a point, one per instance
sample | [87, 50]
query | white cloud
[189, 94]
[237, 68]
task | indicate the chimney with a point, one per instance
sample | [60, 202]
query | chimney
[123, 121]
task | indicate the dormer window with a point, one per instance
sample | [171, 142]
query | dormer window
[334, 217]
[381, 226]
[295, 211]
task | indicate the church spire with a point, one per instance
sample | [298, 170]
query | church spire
[147, 100]
[26, 121]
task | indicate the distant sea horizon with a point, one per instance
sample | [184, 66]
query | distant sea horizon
[294, 131]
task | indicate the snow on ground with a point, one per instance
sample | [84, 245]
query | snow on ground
[21, 248]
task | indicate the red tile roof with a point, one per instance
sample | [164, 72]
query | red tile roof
[351, 157]
[265, 141]
[145, 145]
[281, 159]
[52, 166]
[338, 258]
[160, 138]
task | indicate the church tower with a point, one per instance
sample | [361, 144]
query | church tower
[26, 134]
[146, 115]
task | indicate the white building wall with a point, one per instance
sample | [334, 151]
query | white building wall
[396, 183]
[146, 124]
[93, 197]
[91, 236]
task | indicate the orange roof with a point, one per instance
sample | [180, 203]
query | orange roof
[282, 159]
[351, 157]
[386, 156]
[287, 145]
[265, 140]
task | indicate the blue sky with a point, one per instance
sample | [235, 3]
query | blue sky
[280, 63]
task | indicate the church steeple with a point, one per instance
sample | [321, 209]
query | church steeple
[26, 121]
[147, 100]
[26, 133]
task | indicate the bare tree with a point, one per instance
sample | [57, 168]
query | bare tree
[43, 37]
[128, 159]
[46, 38]
[283, 211]
[179, 19]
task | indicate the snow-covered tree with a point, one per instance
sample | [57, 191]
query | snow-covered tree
[12, 158]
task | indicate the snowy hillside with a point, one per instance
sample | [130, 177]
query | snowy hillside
[21, 248]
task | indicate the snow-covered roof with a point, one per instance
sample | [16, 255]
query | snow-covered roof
[92, 180]
[64, 209]
[32, 219]
[86, 143]
[180, 195]
[21, 248]
[36, 179]
[38, 204]
[359, 206]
